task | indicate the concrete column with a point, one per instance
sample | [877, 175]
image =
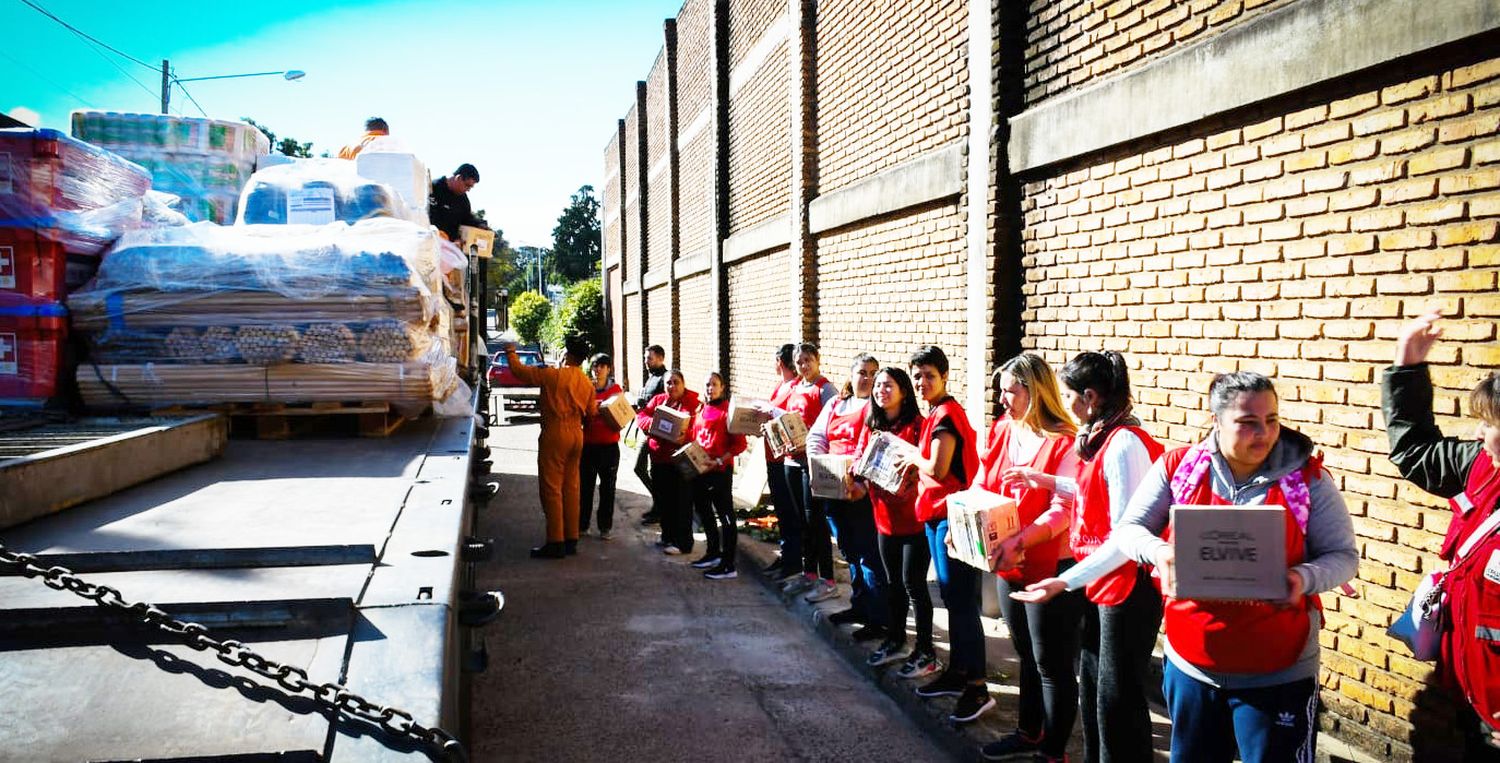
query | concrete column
[802, 62]
[980, 171]
[642, 208]
[718, 99]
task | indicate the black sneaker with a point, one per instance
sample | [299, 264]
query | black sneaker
[651, 519]
[772, 570]
[706, 561]
[845, 617]
[885, 654]
[949, 684]
[721, 573]
[1012, 746]
[549, 551]
[570, 547]
[868, 633]
[974, 702]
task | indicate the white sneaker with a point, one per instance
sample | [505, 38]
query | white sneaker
[606, 535]
[673, 551]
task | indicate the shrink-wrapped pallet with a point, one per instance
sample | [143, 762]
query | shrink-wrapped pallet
[318, 192]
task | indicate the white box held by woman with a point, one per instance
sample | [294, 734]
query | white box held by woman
[746, 416]
[1230, 552]
[979, 521]
[669, 424]
[692, 460]
[829, 476]
[786, 433]
[617, 412]
[878, 463]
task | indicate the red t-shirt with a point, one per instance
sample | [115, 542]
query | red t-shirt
[596, 429]
[711, 432]
[895, 514]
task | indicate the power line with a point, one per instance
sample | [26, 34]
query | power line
[87, 36]
[190, 97]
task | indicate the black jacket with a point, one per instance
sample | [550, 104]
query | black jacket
[656, 383]
[1440, 465]
[448, 210]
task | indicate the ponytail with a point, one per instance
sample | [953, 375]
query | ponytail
[1108, 375]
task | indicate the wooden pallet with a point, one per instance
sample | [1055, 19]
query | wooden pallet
[282, 421]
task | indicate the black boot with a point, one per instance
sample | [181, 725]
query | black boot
[570, 547]
[549, 551]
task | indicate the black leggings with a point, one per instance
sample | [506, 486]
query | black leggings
[1046, 638]
[714, 503]
[906, 558]
[817, 541]
[1115, 672]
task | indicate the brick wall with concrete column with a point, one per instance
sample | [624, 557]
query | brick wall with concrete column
[1291, 233]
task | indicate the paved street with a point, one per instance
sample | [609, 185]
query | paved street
[621, 653]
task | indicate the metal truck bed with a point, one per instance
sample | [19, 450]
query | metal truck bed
[341, 557]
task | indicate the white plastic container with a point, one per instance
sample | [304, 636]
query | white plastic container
[403, 172]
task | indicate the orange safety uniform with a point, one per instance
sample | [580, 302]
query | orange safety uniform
[567, 396]
[352, 151]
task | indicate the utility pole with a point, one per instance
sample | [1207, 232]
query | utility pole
[166, 85]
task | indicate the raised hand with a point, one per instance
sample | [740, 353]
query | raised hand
[1417, 337]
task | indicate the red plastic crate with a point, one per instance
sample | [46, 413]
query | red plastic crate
[32, 335]
[32, 265]
[73, 191]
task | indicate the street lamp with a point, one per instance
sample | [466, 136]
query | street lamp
[291, 75]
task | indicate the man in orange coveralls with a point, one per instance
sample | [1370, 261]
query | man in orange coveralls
[567, 396]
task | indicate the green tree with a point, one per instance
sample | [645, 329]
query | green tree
[576, 239]
[287, 145]
[525, 276]
[528, 311]
[580, 314]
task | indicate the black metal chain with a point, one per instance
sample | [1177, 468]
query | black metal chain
[439, 744]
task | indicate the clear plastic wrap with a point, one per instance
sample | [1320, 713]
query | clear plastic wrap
[76, 194]
[317, 192]
[32, 336]
[204, 161]
[383, 160]
[196, 314]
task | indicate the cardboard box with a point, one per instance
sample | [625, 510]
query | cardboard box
[476, 241]
[1230, 552]
[692, 460]
[785, 434]
[745, 418]
[617, 412]
[829, 476]
[877, 463]
[979, 521]
[669, 424]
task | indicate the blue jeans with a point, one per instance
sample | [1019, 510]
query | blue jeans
[853, 524]
[959, 585]
[1270, 724]
[788, 518]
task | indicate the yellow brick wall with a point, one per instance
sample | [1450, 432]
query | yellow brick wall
[696, 304]
[761, 319]
[659, 188]
[1073, 42]
[892, 286]
[695, 160]
[1296, 243]
[759, 141]
[891, 81]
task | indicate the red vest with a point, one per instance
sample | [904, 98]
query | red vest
[1040, 561]
[1241, 636]
[711, 432]
[596, 431]
[778, 399]
[1471, 646]
[846, 427]
[932, 495]
[1091, 522]
[895, 514]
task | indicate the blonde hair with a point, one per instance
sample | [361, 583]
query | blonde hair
[1484, 400]
[1046, 412]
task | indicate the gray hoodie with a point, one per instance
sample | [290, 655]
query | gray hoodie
[1331, 558]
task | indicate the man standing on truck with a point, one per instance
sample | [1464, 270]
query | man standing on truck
[566, 397]
[375, 127]
[448, 206]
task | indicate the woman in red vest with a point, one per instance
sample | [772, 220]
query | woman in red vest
[712, 495]
[1120, 622]
[788, 516]
[808, 396]
[672, 491]
[901, 539]
[1030, 445]
[1467, 473]
[837, 432]
[601, 452]
[948, 463]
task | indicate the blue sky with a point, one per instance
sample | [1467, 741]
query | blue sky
[527, 91]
